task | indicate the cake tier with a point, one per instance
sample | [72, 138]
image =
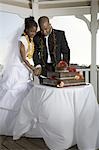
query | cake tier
[61, 74]
[66, 81]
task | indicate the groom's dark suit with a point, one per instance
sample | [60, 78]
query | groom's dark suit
[58, 48]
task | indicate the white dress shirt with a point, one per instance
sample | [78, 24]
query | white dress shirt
[49, 58]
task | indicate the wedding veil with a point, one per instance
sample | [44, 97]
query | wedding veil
[13, 55]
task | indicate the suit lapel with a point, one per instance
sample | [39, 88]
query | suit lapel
[50, 43]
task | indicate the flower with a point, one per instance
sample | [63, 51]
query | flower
[61, 65]
[71, 69]
[60, 84]
[79, 76]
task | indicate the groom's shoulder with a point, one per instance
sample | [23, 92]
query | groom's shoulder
[58, 31]
[37, 36]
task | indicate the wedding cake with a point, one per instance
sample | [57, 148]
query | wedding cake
[64, 75]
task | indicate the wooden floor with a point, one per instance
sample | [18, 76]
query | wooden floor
[7, 143]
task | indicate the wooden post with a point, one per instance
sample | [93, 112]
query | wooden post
[35, 9]
[94, 27]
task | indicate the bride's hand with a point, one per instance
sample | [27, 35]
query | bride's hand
[32, 68]
[37, 71]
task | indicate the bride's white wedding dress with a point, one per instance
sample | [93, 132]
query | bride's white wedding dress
[15, 82]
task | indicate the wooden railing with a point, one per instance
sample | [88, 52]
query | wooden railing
[86, 72]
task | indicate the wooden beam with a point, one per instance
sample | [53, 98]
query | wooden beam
[22, 12]
[25, 4]
[65, 11]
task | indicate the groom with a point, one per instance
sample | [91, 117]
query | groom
[50, 47]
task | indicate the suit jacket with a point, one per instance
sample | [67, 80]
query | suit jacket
[58, 47]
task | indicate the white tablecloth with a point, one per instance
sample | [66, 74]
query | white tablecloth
[63, 115]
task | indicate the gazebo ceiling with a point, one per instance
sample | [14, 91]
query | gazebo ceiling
[48, 3]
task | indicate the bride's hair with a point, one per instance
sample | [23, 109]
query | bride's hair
[30, 22]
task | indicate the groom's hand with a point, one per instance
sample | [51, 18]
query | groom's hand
[37, 71]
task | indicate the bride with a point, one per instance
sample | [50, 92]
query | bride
[17, 80]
